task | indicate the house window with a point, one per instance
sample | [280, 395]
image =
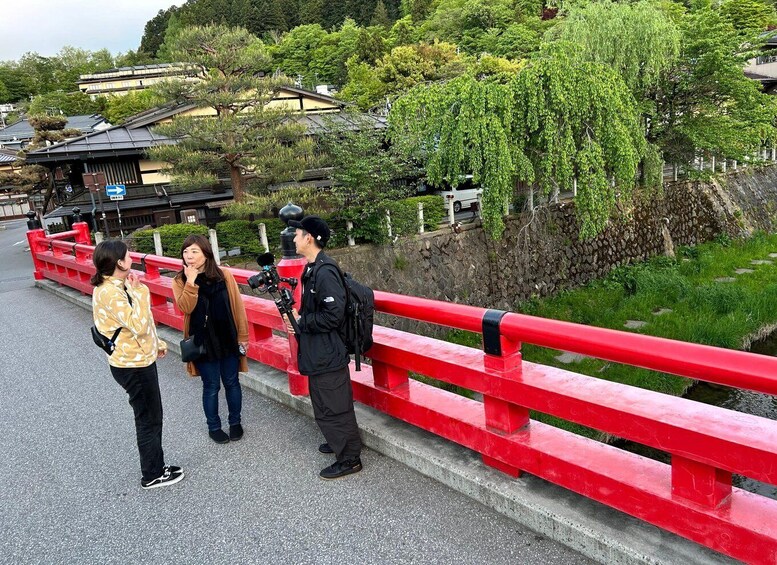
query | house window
[119, 172]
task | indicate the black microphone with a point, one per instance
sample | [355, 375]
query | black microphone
[266, 259]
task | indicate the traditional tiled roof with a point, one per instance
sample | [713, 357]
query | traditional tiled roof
[7, 156]
[23, 130]
[176, 200]
[141, 71]
[134, 138]
[118, 140]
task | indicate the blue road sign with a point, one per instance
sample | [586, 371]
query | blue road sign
[115, 190]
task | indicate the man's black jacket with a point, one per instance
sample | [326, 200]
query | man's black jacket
[321, 350]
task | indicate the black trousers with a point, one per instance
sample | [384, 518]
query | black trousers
[142, 387]
[332, 398]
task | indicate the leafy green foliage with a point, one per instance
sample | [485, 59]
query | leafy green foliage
[370, 225]
[403, 68]
[367, 172]
[706, 101]
[576, 119]
[239, 233]
[461, 127]
[638, 40]
[64, 103]
[119, 108]
[172, 236]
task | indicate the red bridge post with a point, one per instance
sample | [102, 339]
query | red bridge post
[292, 266]
[502, 356]
[35, 237]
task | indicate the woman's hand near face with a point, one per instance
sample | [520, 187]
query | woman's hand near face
[191, 274]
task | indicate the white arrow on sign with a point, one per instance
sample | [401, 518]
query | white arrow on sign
[115, 190]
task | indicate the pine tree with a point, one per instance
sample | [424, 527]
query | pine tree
[380, 16]
[256, 143]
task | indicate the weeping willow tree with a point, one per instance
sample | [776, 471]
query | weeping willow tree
[640, 40]
[457, 128]
[577, 119]
[558, 119]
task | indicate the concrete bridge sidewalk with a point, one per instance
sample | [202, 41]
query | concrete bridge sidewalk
[71, 482]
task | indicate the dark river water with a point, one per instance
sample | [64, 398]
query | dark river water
[755, 403]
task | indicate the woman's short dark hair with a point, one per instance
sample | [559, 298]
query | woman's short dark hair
[210, 269]
[105, 256]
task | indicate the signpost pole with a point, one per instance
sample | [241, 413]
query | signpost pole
[102, 211]
[118, 213]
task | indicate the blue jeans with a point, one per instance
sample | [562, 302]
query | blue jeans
[213, 374]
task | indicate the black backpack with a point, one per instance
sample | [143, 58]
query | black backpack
[356, 332]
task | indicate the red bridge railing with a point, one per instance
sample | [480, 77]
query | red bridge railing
[693, 496]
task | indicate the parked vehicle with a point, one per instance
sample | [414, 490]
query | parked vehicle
[464, 195]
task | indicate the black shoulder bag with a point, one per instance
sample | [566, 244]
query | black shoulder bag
[107, 344]
[190, 351]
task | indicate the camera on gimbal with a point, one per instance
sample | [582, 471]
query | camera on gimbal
[266, 282]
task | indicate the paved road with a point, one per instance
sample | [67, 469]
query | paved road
[70, 480]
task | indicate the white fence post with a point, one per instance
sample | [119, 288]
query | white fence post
[420, 217]
[480, 204]
[451, 218]
[388, 223]
[725, 162]
[675, 169]
[735, 164]
[349, 229]
[157, 243]
[713, 163]
[263, 237]
[574, 186]
[214, 243]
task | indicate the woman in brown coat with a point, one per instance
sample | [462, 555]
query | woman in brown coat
[215, 315]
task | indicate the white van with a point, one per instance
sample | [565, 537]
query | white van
[464, 195]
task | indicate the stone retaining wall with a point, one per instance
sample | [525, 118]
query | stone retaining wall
[541, 254]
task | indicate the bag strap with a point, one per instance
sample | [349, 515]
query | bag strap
[355, 323]
[118, 330]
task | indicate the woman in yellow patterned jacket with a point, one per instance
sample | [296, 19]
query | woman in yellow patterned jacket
[120, 300]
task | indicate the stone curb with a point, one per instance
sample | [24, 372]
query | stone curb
[593, 529]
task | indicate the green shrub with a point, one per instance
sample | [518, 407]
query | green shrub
[371, 227]
[239, 233]
[172, 236]
[312, 200]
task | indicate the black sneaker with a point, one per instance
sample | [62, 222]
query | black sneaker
[235, 432]
[341, 468]
[172, 469]
[219, 436]
[324, 448]
[167, 478]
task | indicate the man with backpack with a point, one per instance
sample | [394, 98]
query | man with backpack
[322, 354]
